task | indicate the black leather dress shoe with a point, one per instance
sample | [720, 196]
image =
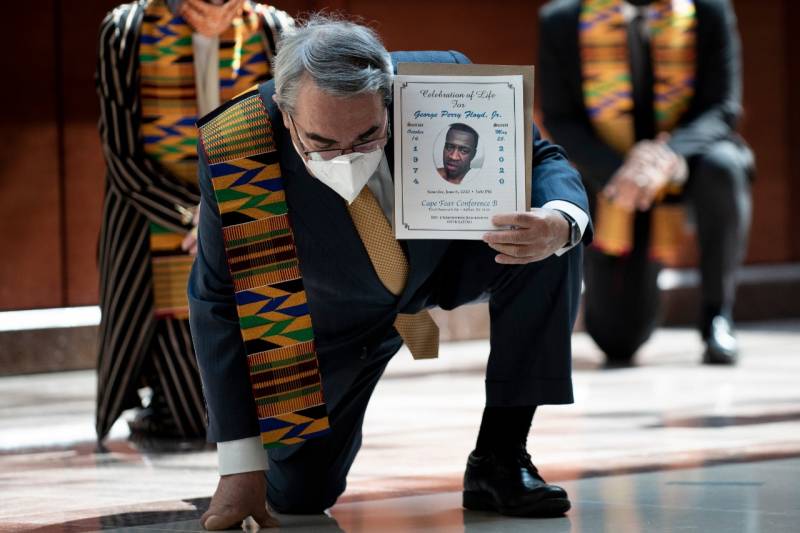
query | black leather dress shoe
[153, 423]
[721, 346]
[511, 486]
[150, 423]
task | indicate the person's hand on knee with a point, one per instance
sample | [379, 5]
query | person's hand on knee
[237, 497]
[649, 167]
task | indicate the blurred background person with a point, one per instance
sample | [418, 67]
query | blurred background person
[645, 96]
[161, 65]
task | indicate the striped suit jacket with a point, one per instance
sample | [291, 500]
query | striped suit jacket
[139, 191]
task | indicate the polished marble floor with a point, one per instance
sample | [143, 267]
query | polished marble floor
[668, 445]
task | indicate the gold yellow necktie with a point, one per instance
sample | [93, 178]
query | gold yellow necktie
[418, 331]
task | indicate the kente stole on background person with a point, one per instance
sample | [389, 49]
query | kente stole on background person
[262, 257]
[169, 112]
[608, 96]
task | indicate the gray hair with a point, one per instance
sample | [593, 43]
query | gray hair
[341, 57]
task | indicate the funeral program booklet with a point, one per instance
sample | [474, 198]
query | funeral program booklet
[462, 148]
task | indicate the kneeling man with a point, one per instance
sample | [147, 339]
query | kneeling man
[294, 227]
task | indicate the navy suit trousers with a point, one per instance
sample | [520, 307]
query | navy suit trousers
[532, 309]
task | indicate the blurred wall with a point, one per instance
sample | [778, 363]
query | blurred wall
[51, 168]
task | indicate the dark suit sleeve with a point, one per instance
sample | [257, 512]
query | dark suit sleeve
[555, 179]
[427, 56]
[717, 102]
[215, 327]
[562, 105]
[458, 57]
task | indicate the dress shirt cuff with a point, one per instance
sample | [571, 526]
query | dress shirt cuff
[577, 214]
[243, 455]
[681, 172]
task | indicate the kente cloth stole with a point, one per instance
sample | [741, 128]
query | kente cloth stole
[261, 254]
[169, 112]
[608, 96]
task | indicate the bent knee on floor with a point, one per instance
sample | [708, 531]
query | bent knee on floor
[722, 162]
[303, 496]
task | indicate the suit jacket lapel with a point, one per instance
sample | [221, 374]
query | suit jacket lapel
[315, 206]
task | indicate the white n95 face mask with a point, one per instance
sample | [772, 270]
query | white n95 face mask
[346, 174]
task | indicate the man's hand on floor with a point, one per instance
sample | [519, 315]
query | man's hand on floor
[237, 497]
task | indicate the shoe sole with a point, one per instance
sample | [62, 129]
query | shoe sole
[547, 508]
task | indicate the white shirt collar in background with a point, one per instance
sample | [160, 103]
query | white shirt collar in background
[206, 72]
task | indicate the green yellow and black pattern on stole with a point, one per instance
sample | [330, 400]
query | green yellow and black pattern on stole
[607, 93]
[262, 258]
[168, 97]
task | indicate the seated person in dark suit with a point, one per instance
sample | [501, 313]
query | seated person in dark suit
[645, 96]
[294, 229]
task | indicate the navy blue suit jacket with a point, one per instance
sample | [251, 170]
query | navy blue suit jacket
[350, 308]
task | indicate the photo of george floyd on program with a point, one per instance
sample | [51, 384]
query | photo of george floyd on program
[461, 152]
[356, 266]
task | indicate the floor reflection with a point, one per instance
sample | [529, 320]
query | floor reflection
[667, 445]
